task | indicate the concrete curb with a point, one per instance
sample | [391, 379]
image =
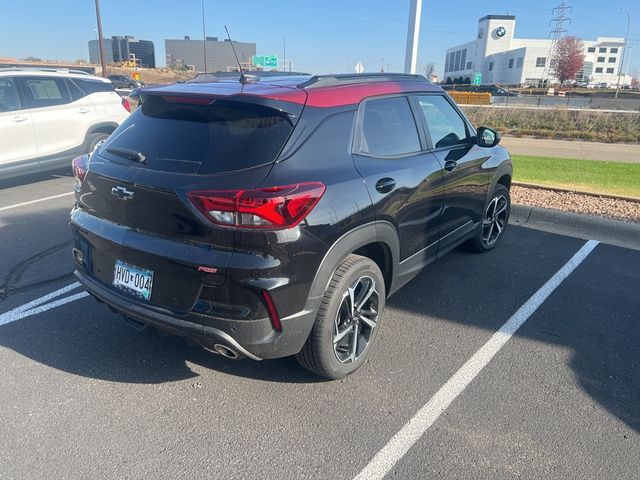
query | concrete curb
[588, 227]
[577, 192]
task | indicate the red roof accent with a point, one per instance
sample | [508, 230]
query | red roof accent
[353, 94]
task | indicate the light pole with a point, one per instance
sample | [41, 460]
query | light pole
[100, 40]
[624, 52]
[204, 40]
[413, 34]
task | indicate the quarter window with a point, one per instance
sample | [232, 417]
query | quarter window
[9, 100]
[388, 128]
[45, 92]
[446, 127]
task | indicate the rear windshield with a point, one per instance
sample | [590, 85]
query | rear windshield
[187, 138]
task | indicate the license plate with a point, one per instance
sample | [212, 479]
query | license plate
[134, 280]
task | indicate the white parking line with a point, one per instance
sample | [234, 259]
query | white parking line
[36, 306]
[53, 197]
[408, 435]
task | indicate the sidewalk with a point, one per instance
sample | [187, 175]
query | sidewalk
[615, 152]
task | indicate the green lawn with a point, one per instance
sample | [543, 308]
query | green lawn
[588, 175]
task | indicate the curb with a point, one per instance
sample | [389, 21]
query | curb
[588, 227]
[578, 192]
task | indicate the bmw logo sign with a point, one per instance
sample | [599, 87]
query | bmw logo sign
[501, 32]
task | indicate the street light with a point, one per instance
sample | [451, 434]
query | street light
[624, 52]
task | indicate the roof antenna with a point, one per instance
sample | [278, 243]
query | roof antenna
[243, 80]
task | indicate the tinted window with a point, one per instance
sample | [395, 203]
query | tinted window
[92, 86]
[74, 90]
[388, 128]
[9, 100]
[45, 91]
[189, 138]
[446, 127]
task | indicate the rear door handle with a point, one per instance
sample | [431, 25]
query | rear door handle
[450, 165]
[385, 185]
[84, 110]
[19, 118]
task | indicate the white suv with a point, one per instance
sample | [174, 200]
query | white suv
[49, 116]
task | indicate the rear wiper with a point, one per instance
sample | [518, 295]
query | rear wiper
[127, 153]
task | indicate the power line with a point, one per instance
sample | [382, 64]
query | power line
[557, 33]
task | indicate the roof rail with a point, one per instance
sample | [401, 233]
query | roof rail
[43, 69]
[353, 78]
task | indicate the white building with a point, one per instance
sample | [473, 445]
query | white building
[498, 57]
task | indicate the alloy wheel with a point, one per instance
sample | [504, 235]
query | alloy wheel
[495, 220]
[356, 319]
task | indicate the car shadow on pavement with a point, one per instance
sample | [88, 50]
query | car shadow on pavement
[596, 320]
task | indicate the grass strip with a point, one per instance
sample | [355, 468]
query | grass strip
[587, 175]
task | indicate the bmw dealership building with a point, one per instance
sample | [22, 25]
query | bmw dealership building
[497, 56]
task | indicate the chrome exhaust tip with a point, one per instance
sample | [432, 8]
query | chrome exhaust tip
[225, 351]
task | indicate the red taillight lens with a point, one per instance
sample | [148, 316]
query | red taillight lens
[126, 104]
[79, 167]
[272, 208]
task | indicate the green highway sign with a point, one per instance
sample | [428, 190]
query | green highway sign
[264, 61]
[477, 78]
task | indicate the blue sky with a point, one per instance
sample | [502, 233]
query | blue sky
[322, 36]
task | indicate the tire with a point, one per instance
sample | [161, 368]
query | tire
[486, 238]
[336, 324]
[93, 139]
[131, 86]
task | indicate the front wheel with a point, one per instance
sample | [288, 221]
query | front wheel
[494, 221]
[348, 320]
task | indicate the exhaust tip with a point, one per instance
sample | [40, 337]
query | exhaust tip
[225, 351]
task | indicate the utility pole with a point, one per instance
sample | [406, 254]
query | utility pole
[624, 52]
[103, 64]
[558, 31]
[204, 40]
[413, 34]
[284, 53]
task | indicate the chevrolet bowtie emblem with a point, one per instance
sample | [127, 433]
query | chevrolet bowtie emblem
[122, 193]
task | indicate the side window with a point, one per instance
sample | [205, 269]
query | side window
[93, 86]
[388, 128]
[45, 92]
[446, 127]
[74, 90]
[9, 99]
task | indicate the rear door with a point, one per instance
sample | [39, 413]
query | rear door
[60, 124]
[17, 136]
[466, 180]
[403, 179]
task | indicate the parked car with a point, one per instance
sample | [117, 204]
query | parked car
[125, 81]
[48, 117]
[275, 218]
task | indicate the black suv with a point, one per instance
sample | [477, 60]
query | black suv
[125, 81]
[274, 218]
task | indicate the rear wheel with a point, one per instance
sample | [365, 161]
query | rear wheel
[494, 221]
[348, 320]
[93, 139]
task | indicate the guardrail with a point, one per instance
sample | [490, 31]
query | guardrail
[598, 103]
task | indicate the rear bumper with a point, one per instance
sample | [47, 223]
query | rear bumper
[245, 337]
[225, 307]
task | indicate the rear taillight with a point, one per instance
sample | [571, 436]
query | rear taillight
[273, 208]
[79, 167]
[126, 104]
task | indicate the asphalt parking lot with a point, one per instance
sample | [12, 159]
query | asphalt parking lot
[83, 395]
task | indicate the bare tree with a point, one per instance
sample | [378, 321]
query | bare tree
[568, 58]
[428, 70]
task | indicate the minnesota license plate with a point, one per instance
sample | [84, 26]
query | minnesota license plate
[134, 280]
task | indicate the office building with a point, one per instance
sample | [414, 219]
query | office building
[188, 53]
[119, 49]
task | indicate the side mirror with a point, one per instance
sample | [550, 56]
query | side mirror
[487, 137]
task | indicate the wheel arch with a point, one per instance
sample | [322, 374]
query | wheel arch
[376, 240]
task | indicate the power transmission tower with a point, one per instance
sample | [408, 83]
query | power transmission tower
[558, 31]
